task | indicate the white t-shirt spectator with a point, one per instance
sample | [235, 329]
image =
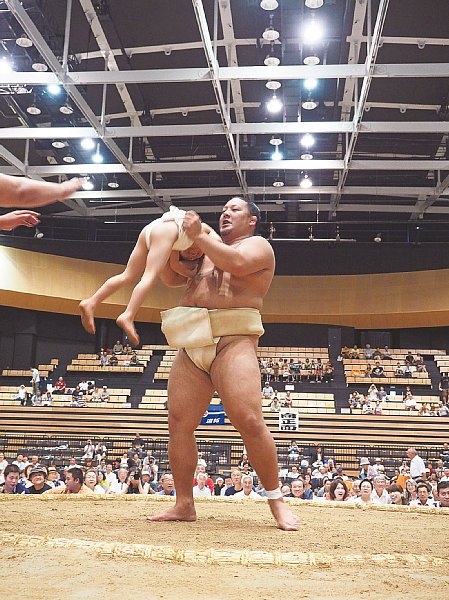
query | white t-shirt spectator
[242, 494]
[417, 467]
[384, 499]
[118, 488]
[204, 493]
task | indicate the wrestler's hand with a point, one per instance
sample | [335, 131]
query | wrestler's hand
[192, 224]
[27, 218]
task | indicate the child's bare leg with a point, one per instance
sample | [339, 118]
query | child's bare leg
[131, 274]
[162, 239]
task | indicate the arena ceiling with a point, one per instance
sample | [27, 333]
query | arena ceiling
[174, 96]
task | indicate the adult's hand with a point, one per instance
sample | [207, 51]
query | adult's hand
[16, 218]
[192, 224]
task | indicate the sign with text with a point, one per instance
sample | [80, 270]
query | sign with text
[214, 415]
[288, 421]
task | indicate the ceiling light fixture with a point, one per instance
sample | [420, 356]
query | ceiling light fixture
[114, 184]
[24, 42]
[58, 144]
[269, 4]
[378, 238]
[33, 110]
[277, 155]
[306, 182]
[275, 140]
[54, 89]
[274, 105]
[38, 234]
[312, 32]
[270, 34]
[273, 85]
[66, 109]
[310, 84]
[87, 144]
[309, 104]
[68, 158]
[278, 182]
[307, 140]
[39, 67]
[314, 3]
[307, 156]
[311, 60]
[88, 185]
[271, 60]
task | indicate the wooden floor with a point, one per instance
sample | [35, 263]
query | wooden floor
[313, 428]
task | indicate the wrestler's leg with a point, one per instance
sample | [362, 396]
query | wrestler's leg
[241, 400]
[163, 236]
[131, 274]
[189, 392]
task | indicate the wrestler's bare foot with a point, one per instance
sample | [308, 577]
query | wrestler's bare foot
[87, 316]
[285, 518]
[175, 514]
[128, 327]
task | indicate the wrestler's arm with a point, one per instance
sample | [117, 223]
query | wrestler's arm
[20, 191]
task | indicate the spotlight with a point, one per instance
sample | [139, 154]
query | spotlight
[68, 158]
[5, 66]
[309, 104]
[307, 156]
[114, 184]
[278, 182]
[270, 34]
[311, 60]
[312, 32]
[277, 155]
[58, 144]
[66, 109]
[314, 3]
[269, 4]
[88, 185]
[378, 238]
[271, 61]
[54, 89]
[33, 110]
[307, 140]
[275, 140]
[24, 42]
[39, 67]
[310, 84]
[97, 157]
[306, 182]
[87, 144]
[38, 234]
[274, 105]
[273, 85]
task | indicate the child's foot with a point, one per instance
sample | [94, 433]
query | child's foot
[128, 327]
[87, 316]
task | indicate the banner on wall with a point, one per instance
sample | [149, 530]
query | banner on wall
[288, 421]
[214, 415]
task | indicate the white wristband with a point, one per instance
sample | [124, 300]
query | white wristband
[274, 494]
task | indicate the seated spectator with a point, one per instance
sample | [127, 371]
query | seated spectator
[299, 491]
[287, 402]
[219, 486]
[366, 489]
[36, 398]
[117, 348]
[396, 494]
[21, 462]
[424, 498]
[201, 490]
[147, 485]
[368, 351]
[293, 451]
[74, 484]
[442, 495]
[443, 410]
[324, 491]
[91, 481]
[409, 359]
[355, 489]
[121, 484]
[410, 492]
[276, 371]
[338, 490]
[47, 400]
[21, 395]
[424, 411]
[247, 489]
[328, 373]
[104, 396]
[386, 353]
[267, 391]
[113, 360]
[285, 490]
[354, 352]
[89, 450]
[83, 386]
[236, 477]
[399, 370]
[104, 359]
[12, 485]
[378, 408]
[286, 373]
[275, 405]
[382, 394]
[134, 361]
[293, 473]
[37, 476]
[409, 400]
[367, 408]
[380, 494]
[345, 352]
[377, 354]
[95, 395]
[378, 370]
[54, 477]
[167, 485]
[354, 400]
[366, 372]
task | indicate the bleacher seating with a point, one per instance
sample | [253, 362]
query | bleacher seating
[88, 363]
[163, 370]
[44, 370]
[118, 398]
[442, 363]
[395, 405]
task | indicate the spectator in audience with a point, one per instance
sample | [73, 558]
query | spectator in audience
[285, 490]
[36, 398]
[443, 387]
[236, 486]
[219, 485]
[11, 484]
[3, 462]
[417, 466]
[200, 468]
[354, 400]
[117, 348]
[409, 400]
[409, 359]
[338, 490]
[74, 484]
[328, 373]
[424, 410]
[377, 354]
[110, 476]
[324, 491]
[200, 489]
[113, 360]
[367, 408]
[368, 352]
[386, 353]
[47, 399]
[355, 488]
[60, 386]
[267, 391]
[91, 481]
[396, 494]
[146, 483]
[442, 496]
[378, 370]
[424, 498]
[20, 462]
[167, 485]
[89, 450]
[298, 490]
[121, 484]
[382, 394]
[104, 359]
[275, 405]
[247, 490]
[104, 396]
[287, 402]
[127, 349]
[54, 478]
[227, 484]
[379, 494]
[399, 370]
[38, 475]
[410, 492]
[21, 395]
[35, 379]
[293, 473]
[134, 361]
[366, 489]
[378, 408]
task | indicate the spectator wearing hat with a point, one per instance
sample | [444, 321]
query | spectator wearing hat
[54, 478]
[12, 485]
[38, 476]
[74, 484]
[364, 468]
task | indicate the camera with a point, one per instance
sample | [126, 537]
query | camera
[137, 474]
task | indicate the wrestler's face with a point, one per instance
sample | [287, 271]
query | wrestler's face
[235, 219]
[192, 253]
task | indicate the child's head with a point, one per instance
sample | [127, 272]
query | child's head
[193, 252]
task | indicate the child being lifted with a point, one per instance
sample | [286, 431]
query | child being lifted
[148, 259]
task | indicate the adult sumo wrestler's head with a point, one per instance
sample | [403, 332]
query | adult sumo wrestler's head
[239, 218]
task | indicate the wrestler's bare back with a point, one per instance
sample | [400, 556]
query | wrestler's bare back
[213, 288]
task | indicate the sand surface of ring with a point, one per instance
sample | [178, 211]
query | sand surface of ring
[79, 573]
